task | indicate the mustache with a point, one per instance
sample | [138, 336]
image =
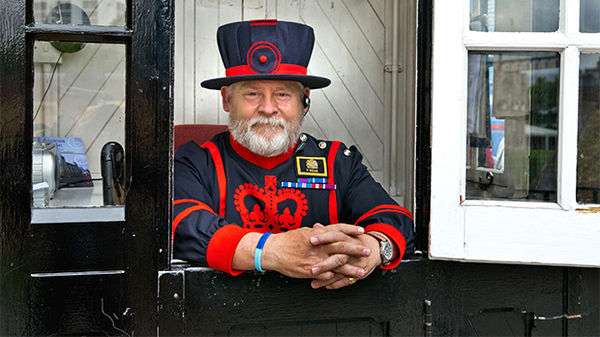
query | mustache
[274, 121]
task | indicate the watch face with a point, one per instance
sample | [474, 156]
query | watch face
[386, 252]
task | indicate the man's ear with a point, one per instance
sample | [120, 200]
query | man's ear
[306, 91]
[306, 95]
[226, 98]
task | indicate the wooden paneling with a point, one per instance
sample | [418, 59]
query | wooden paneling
[465, 299]
[350, 50]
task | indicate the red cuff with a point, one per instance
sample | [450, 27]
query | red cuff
[394, 235]
[221, 248]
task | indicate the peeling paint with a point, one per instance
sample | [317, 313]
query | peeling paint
[588, 210]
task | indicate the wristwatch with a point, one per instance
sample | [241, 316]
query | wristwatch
[385, 247]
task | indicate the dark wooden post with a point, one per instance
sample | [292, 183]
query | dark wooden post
[15, 181]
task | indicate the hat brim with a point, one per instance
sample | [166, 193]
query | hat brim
[313, 82]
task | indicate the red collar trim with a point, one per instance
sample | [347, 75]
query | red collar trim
[258, 160]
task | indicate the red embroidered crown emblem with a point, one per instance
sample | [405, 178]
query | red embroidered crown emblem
[270, 209]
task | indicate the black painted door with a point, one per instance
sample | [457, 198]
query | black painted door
[99, 277]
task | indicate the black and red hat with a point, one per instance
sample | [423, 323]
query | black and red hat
[266, 49]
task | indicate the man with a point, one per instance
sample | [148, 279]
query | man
[329, 220]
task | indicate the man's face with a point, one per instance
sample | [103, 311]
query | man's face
[265, 115]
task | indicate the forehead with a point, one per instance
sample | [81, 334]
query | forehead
[268, 84]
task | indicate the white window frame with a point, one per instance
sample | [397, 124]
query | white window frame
[563, 233]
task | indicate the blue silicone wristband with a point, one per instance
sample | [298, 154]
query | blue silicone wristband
[258, 251]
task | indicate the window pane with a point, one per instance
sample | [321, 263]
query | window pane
[588, 135]
[514, 15]
[79, 117]
[80, 12]
[589, 12]
[512, 116]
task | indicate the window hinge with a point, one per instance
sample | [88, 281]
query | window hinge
[427, 320]
[388, 68]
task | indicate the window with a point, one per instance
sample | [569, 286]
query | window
[79, 102]
[78, 124]
[515, 132]
[97, 12]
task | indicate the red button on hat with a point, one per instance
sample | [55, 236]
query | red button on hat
[263, 59]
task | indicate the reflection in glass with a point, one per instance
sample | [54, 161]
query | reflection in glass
[80, 12]
[588, 134]
[512, 119]
[589, 12]
[78, 108]
[514, 15]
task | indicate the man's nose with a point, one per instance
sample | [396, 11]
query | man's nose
[268, 105]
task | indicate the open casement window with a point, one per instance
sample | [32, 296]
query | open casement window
[515, 162]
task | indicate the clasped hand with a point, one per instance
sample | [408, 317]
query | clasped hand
[327, 254]
[342, 240]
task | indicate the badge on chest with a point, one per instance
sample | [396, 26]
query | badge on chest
[311, 166]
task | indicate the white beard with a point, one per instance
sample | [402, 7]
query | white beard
[268, 142]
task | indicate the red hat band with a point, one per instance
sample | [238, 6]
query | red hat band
[283, 69]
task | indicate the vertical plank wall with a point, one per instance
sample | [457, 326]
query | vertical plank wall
[350, 49]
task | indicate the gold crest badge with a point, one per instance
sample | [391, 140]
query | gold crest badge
[311, 166]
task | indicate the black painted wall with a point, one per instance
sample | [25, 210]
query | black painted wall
[466, 299]
[87, 278]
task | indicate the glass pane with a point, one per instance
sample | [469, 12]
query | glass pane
[78, 126]
[514, 15]
[512, 119]
[80, 12]
[589, 12]
[588, 135]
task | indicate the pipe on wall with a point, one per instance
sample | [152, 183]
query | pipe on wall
[394, 103]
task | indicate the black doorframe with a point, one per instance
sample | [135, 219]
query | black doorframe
[423, 132]
[143, 238]
[15, 180]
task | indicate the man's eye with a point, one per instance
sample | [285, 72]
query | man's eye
[283, 95]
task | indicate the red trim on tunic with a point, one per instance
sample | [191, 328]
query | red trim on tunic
[385, 208]
[333, 209]
[282, 69]
[258, 160]
[221, 178]
[188, 211]
[183, 201]
[394, 235]
[221, 248]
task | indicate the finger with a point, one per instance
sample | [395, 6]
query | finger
[348, 248]
[339, 284]
[318, 225]
[346, 229]
[330, 263]
[317, 283]
[329, 237]
[327, 276]
[351, 271]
